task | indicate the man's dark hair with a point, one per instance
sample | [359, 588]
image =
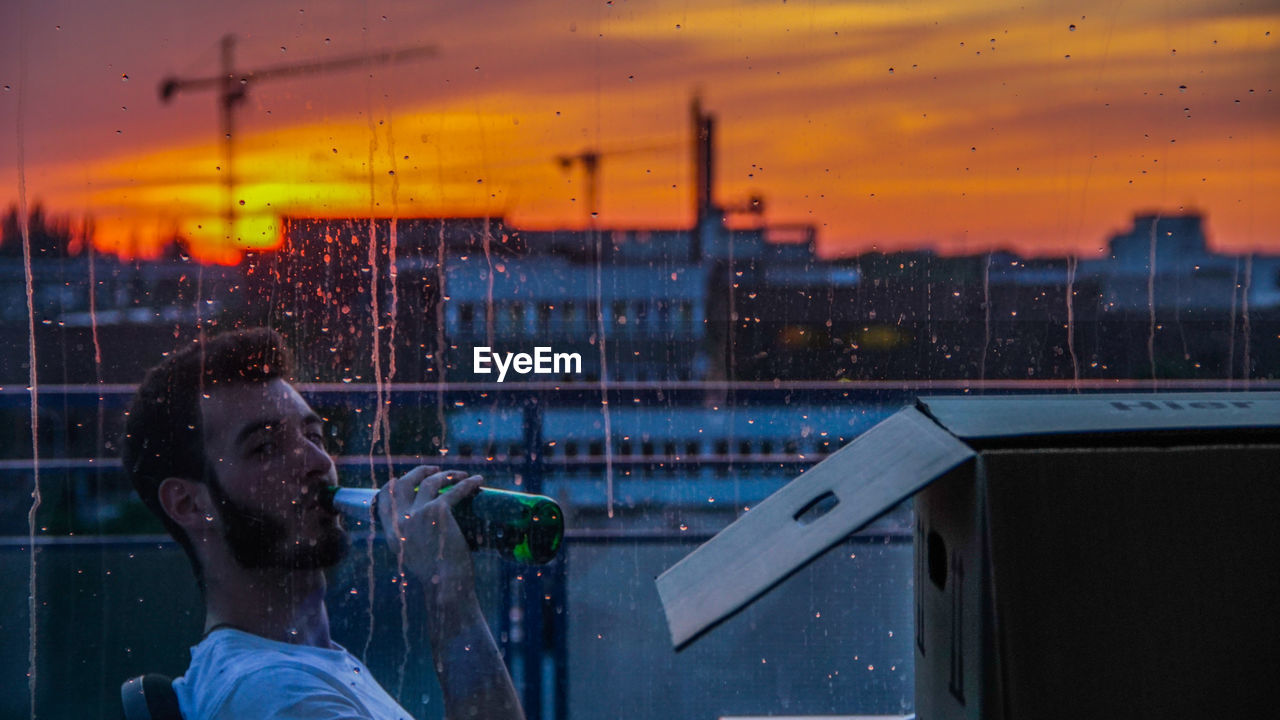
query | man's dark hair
[163, 434]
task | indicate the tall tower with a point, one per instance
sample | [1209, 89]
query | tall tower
[705, 212]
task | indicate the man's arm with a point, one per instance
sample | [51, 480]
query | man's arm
[421, 528]
[474, 678]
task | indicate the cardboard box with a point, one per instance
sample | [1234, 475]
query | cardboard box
[1076, 556]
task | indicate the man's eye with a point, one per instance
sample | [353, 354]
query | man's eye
[317, 438]
[265, 449]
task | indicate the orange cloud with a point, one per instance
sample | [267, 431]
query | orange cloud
[887, 125]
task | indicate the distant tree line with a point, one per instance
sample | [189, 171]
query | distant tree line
[55, 236]
[51, 236]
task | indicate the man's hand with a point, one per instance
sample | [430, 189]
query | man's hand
[419, 525]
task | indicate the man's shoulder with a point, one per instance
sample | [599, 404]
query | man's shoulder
[232, 673]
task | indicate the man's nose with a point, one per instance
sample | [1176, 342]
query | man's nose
[315, 458]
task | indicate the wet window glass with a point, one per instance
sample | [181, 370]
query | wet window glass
[638, 266]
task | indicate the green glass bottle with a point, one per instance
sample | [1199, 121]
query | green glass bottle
[520, 526]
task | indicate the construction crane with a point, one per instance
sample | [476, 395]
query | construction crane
[233, 85]
[589, 159]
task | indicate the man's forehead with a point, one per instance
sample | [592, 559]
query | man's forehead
[224, 410]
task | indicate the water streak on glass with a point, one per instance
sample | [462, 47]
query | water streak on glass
[1247, 371]
[25, 230]
[100, 430]
[441, 343]
[485, 244]
[604, 373]
[392, 310]
[986, 317]
[1231, 334]
[1071, 322]
[1151, 300]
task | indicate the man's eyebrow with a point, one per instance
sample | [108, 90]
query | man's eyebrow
[312, 419]
[250, 429]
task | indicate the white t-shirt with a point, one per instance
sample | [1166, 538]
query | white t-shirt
[235, 675]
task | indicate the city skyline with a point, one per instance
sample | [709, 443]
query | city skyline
[1034, 129]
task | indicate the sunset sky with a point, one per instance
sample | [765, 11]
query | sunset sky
[1040, 127]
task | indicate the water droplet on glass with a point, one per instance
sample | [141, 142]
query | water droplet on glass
[124, 77]
[1071, 28]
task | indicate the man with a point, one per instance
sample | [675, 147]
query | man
[223, 449]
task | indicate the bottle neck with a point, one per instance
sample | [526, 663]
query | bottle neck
[352, 501]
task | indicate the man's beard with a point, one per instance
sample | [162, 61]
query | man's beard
[259, 541]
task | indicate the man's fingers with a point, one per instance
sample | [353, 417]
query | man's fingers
[402, 489]
[462, 490]
[430, 486]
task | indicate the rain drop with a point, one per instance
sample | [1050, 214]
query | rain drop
[1071, 28]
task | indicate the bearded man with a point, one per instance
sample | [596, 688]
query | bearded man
[222, 448]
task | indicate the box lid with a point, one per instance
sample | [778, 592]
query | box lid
[897, 458]
[1022, 416]
[812, 513]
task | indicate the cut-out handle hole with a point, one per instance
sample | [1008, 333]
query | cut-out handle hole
[937, 558]
[817, 507]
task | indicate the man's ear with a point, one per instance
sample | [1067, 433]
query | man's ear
[187, 502]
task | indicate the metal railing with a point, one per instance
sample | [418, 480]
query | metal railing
[532, 621]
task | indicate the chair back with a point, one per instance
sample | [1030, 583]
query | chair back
[149, 697]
